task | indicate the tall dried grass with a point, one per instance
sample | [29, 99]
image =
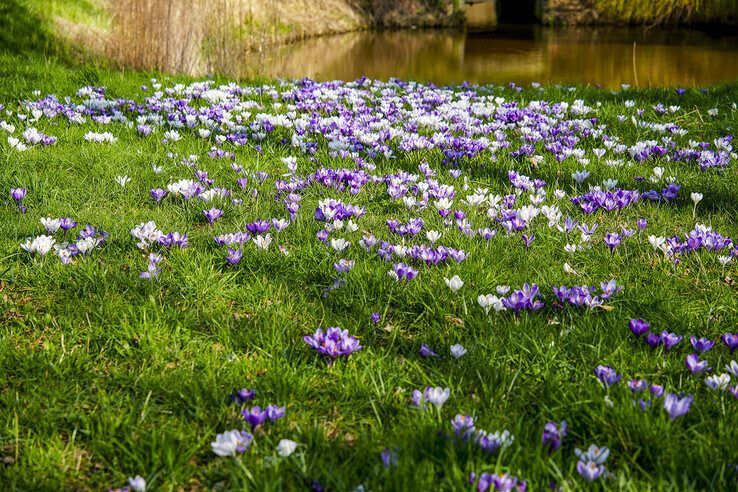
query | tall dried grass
[196, 36]
[669, 11]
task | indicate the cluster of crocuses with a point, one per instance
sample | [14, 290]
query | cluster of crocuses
[501, 482]
[675, 405]
[584, 295]
[490, 442]
[591, 464]
[333, 343]
[609, 201]
[149, 235]
[87, 239]
[238, 441]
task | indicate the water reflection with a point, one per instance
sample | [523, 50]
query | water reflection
[522, 55]
[187, 37]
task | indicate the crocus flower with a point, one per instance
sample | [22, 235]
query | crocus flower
[426, 351]
[434, 395]
[731, 341]
[653, 340]
[670, 340]
[638, 385]
[463, 425]
[286, 447]
[67, 223]
[255, 416]
[18, 194]
[553, 435]
[656, 390]
[457, 351]
[231, 442]
[590, 470]
[212, 214]
[343, 265]
[454, 283]
[389, 457]
[607, 375]
[375, 318]
[638, 326]
[158, 194]
[234, 256]
[243, 395]
[701, 345]
[275, 412]
[333, 343]
[732, 368]
[137, 483]
[716, 382]
[695, 365]
[675, 406]
[613, 240]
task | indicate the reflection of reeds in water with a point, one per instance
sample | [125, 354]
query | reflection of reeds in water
[199, 36]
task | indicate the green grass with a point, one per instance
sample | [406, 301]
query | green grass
[106, 376]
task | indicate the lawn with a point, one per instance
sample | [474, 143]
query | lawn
[109, 374]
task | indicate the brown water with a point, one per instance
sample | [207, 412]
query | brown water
[181, 38]
[519, 54]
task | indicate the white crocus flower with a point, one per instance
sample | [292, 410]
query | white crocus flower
[454, 283]
[286, 447]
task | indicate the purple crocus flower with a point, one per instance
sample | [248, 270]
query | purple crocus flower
[641, 224]
[607, 375]
[528, 240]
[675, 406]
[18, 194]
[401, 271]
[243, 395]
[234, 256]
[639, 326]
[212, 214]
[701, 345]
[590, 470]
[553, 435]
[463, 425]
[66, 223]
[333, 343]
[653, 340]
[695, 365]
[375, 318]
[613, 240]
[255, 417]
[731, 341]
[275, 412]
[670, 339]
[426, 351]
[158, 194]
[638, 385]
[657, 390]
[389, 457]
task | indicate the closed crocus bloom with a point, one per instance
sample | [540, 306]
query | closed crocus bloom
[286, 447]
[18, 194]
[638, 326]
[677, 407]
[137, 483]
[590, 470]
[454, 283]
[457, 351]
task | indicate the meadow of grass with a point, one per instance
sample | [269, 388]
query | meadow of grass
[106, 375]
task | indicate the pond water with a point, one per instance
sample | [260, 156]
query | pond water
[187, 40]
[521, 54]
